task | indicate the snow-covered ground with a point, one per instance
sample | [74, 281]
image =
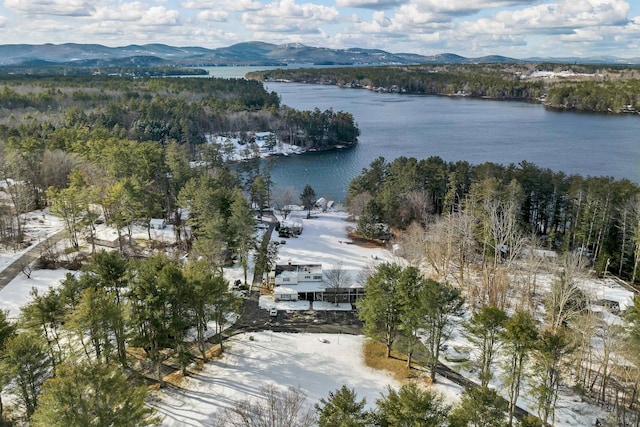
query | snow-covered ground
[286, 360]
[300, 360]
[234, 149]
[38, 225]
[560, 74]
[324, 240]
[18, 292]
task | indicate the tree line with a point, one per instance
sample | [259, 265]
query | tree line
[69, 359]
[488, 233]
[596, 216]
[129, 145]
[604, 89]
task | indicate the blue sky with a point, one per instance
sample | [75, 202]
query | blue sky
[516, 28]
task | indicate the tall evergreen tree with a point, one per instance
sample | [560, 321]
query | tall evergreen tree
[411, 406]
[308, 198]
[112, 271]
[7, 330]
[479, 407]
[150, 309]
[27, 362]
[342, 409]
[520, 335]
[380, 307]
[441, 302]
[242, 223]
[484, 331]
[97, 394]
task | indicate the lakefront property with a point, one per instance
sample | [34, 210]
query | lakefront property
[293, 282]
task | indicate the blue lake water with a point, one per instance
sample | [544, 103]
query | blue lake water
[477, 131]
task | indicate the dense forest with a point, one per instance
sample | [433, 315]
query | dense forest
[120, 151]
[479, 239]
[44, 68]
[598, 216]
[606, 89]
[159, 110]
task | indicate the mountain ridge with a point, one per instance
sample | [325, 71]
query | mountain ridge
[246, 53]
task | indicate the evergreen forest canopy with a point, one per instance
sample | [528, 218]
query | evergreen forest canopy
[122, 151]
[598, 217]
[591, 88]
[128, 146]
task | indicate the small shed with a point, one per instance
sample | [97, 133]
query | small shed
[158, 223]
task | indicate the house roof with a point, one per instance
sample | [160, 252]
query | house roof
[298, 268]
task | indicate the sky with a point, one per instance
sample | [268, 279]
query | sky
[515, 28]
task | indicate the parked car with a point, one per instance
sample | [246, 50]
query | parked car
[273, 312]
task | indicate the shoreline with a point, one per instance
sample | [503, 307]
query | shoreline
[395, 90]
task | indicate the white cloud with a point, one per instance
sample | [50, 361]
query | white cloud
[212, 15]
[138, 12]
[50, 7]
[158, 15]
[566, 14]
[289, 17]
[582, 35]
[371, 4]
[3, 21]
[223, 5]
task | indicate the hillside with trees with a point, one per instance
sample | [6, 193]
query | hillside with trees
[487, 234]
[597, 216]
[589, 88]
[121, 151]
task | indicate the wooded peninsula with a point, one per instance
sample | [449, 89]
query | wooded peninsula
[588, 88]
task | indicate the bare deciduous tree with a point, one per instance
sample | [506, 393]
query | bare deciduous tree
[337, 279]
[413, 241]
[566, 299]
[26, 269]
[358, 203]
[282, 198]
[274, 408]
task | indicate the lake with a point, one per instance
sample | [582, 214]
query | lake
[454, 128]
[457, 128]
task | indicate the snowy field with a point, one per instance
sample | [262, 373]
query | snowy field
[285, 360]
[18, 292]
[38, 225]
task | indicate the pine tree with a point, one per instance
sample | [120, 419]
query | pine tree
[242, 222]
[7, 330]
[441, 302]
[409, 407]
[484, 330]
[341, 409]
[92, 395]
[27, 362]
[308, 198]
[479, 407]
[519, 335]
[380, 307]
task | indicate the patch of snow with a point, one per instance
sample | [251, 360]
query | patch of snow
[284, 360]
[18, 292]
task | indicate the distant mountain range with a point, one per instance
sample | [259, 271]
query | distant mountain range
[250, 53]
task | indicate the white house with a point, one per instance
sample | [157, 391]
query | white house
[292, 274]
[292, 282]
